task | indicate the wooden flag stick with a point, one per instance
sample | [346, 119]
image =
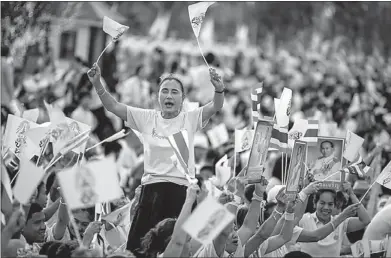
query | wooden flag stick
[101, 54]
[202, 54]
[362, 198]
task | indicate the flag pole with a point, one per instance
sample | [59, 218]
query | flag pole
[282, 168]
[202, 54]
[101, 54]
[362, 198]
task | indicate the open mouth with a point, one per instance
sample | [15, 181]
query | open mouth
[326, 212]
[169, 104]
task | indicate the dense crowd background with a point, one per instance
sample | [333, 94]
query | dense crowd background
[342, 89]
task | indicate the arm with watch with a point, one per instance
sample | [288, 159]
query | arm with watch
[250, 222]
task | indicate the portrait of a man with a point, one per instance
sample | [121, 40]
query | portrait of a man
[325, 159]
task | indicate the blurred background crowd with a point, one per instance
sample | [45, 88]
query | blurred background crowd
[335, 56]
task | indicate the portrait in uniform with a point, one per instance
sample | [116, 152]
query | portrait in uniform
[326, 159]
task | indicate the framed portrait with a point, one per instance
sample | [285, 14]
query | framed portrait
[326, 158]
[296, 169]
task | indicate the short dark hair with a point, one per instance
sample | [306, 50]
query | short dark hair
[241, 215]
[298, 254]
[321, 191]
[171, 77]
[249, 192]
[327, 141]
[5, 51]
[34, 208]
[210, 58]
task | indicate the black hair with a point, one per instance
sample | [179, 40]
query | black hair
[249, 192]
[41, 184]
[52, 250]
[331, 143]
[171, 77]
[65, 250]
[157, 238]
[50, 182]
[210, 58]
[241, 215]
[91, 212]
[298, 254]
[45, 247]
[321, 191]
[34, 208]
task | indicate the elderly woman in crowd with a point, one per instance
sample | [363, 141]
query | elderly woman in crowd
[164, 185]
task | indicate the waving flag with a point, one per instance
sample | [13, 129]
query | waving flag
[284, 109]
[311, 135]
[279, 139]
[28, 179]
[243, 139]
[353, 144]
[180, 144]
[358, 168]
[256, 95]
[75, 142]
[95, 182]
[15, 134]
[197, 15]
[113, 28]
[385, 176]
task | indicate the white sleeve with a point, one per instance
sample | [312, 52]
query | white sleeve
[138, 119]
[195, 119]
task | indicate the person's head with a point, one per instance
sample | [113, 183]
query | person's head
[35, 228]
[157, 238]
[45, 247]
[83, 218]
[42, 197]
[232, 240]
[65, 250]
[210, 58]
[207, 172]
[53, 248]
[204, 191]
[324, 203]
[326, 148]
[297, 254]
[171, 96]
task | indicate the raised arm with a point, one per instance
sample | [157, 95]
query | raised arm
[266, 228]
[51, 210]
[218, 100]
[249, 226]
[108, 101]
[323, 232]
[179, 236]
[363, 217]
[62, 222]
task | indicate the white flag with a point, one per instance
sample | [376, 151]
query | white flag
[385, 176]
[243, 139]
[353, 144]
[218, 135]
[113, 28]
[197, 14]
[297, 131]
[31, 114]
[95, 182]
[284, 109]
[28, 179]
[15, 134]
[207, 221]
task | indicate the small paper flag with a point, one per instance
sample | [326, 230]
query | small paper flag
[197, 14]
[113, 28]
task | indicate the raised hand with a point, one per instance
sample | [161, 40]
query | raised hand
[281, 197]
[260, 188]
[347, 187]
[312, 188]
[351, 210]
[216, 80]
[16, 221]
[192, 191]
[94, 73]
[93, 228]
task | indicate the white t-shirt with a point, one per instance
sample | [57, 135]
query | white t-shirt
[327, 247]
[380, 225]
[50, 234]
[158, 165]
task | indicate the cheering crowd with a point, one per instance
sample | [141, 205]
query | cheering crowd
[160, 97]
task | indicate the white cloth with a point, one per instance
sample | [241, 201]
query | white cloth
[325, 167]
[327, 247]
[380, 225]
[50, 234]
[158, 165]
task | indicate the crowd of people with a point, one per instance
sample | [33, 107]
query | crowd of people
[156, 95]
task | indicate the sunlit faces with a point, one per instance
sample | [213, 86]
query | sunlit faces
[170, 97]
[325, 205]
[326, 149]
[35, 229]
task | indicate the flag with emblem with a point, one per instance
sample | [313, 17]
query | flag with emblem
[180, 144]
[243, 139]
[113, 28]
[311, 135]
[279, 139]
[256, 94]
[385, 176]
[197, 15]
[358, 168]
[284, 108]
